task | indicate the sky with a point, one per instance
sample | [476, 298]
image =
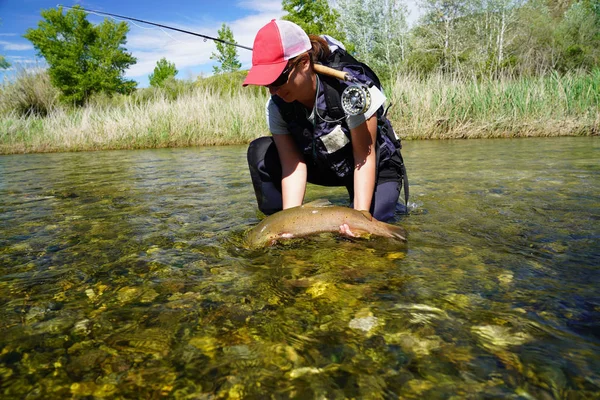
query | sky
[191, 54]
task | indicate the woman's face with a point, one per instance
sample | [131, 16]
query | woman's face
[297, 85]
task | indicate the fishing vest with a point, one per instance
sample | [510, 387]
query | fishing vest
[326, 142]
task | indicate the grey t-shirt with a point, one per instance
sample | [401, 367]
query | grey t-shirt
[277, 125]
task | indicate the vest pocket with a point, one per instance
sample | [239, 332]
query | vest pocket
[334, 140]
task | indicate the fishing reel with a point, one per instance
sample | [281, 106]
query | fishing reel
[356, 98]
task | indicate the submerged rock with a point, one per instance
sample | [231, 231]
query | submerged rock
[364, 324]
[298, 372]
[495, 336]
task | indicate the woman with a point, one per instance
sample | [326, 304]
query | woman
[312, 139]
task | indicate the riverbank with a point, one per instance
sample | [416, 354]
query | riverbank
[436, 107]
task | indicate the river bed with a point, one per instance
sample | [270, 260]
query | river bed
[123, 274]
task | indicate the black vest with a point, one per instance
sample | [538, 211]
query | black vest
[326, 143]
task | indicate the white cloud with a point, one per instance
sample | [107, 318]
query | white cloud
[15, 46]
[260, 6]
[189, 52]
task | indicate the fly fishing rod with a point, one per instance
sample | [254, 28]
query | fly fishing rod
[356, 98]
[205, 37]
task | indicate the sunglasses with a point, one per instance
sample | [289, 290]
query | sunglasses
[283, 78]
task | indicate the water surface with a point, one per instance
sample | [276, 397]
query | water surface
[123, 275]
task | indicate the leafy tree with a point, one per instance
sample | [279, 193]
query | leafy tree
[83, 59]
[163, 71]
[578, 35]
[535, 46]
[226, 55]
[443, 20]
[3, 63]
[378, 31]
[315, 17]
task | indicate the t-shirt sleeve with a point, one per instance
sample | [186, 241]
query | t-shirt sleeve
[277, 125]
[377, 100]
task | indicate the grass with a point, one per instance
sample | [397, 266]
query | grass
[218, 111]
[444, 108]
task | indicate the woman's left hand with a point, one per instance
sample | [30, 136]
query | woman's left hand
[345, 230]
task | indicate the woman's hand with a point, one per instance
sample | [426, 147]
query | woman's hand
[345, 230]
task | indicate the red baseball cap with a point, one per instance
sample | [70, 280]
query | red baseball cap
[274, 44]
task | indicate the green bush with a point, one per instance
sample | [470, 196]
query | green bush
[30, 93]
[227, 83]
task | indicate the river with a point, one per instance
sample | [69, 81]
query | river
[123, 274]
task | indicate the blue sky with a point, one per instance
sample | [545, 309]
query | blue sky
[148, 44]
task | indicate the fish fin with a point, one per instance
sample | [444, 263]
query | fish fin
[397, 232]
[367, 214]
[361, 234]
[318, 203]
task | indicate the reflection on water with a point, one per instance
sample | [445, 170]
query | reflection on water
[124, 274]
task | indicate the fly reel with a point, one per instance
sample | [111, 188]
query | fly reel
[356, 99]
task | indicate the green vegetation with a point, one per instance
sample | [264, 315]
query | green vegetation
[163, 71]
[30, 94]
[183, 114]
[489, 38]
[3, 63]
[226, 54]
[84, 59]
[315, 17]
[217, 110]
[439, 107]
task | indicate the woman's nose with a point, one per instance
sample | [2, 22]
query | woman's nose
[273, 90]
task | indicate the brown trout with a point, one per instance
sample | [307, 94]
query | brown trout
[316, 217]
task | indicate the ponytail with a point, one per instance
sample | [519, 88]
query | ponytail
[320, 49]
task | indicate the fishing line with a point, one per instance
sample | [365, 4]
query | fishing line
[356, 98]
[205, 37]
[139, 26]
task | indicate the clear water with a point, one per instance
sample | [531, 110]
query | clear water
[123, 275]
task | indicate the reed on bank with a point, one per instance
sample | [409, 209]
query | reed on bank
[435, 107]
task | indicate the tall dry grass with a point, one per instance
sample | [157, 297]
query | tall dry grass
[29, 93]
[199, 118]
[213, 114]
[439, 107]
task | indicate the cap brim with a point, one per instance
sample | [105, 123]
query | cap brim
[264, 75]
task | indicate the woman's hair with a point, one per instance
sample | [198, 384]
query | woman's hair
[320, 49]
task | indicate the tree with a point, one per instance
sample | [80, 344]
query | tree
[440, 24]
[359, 26]
[163, 71]
[578, 36]
[488, 35]
[315, 17]
[83, 59]
[3, 63]
[378, 31]
[226, 55]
